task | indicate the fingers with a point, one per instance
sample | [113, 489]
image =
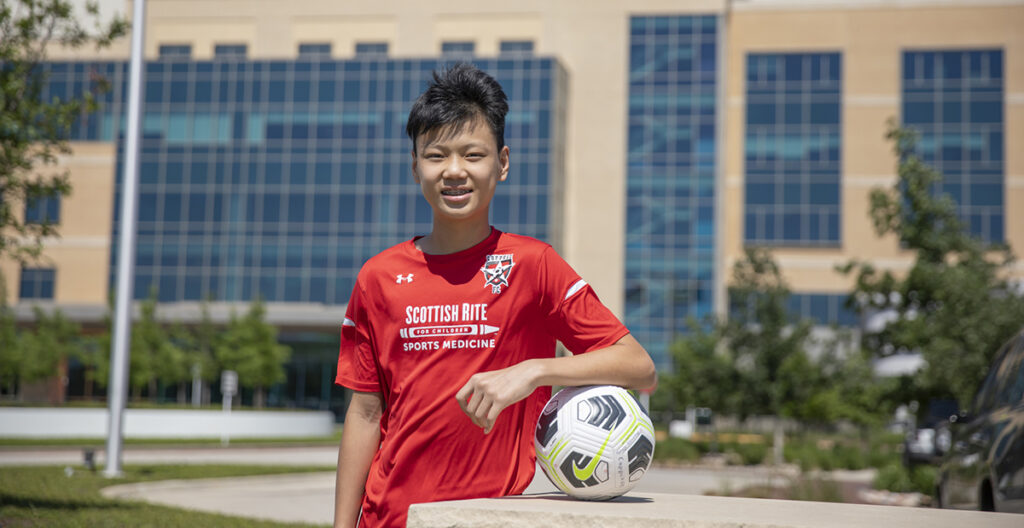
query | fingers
[481, 417]
[477, 407]
[463, 395]
[470, 399]
[480, 405]
[491, 417]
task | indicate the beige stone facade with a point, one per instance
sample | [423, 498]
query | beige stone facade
[591, 39]
[81, 253]
[871, 40]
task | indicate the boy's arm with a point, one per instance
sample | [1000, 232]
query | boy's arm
[625, 363]
[360, 439]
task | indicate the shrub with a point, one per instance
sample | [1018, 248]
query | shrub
[826, 459]
[883, 451]
[751, 454]
[849, 457]
[896, 477]
[923, 478]
[804, 455]
[818, 489]
[893, 477]
[676, 449]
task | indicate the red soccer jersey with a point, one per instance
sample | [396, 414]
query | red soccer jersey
[418, 326]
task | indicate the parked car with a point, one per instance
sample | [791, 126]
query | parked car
[926, 443]
[919, 446]
[984, 468]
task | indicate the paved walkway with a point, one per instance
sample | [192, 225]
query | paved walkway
[310, 497]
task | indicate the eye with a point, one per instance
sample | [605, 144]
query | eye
[433, 155]
[474, 155]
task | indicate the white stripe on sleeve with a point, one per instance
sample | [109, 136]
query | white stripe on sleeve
[577, 286]
[348, 322]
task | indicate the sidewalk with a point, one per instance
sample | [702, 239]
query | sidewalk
[304, 497]
[310, 497]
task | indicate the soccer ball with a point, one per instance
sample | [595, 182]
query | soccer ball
[594, 443]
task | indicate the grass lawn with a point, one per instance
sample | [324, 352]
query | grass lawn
[46, 496]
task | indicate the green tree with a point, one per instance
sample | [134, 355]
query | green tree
[250, 347]
[95, 354]
[850, 389]
[146, 337]
[10, 346]
[954, 305]
[54, 339]
[766, 344]
[204, 341]
[155, 357]
[757, 361]
[183, 349]
[33, 132]
[705, 375]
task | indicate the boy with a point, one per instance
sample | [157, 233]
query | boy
[447, 336]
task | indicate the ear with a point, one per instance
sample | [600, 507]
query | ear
[503, 160]
[415, 175]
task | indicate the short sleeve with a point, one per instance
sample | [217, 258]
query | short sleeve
[357, 364]
[574, 314]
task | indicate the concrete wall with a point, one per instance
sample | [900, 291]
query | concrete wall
[20, 422]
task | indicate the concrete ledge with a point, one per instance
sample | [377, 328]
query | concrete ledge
[656, 510]
[72, 422]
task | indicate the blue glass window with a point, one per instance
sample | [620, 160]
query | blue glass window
[315, 50]
[670, 177]
[43, 210]
[371, 49]
[823, 309]
[516, 47]
[792, 159]
[258, 175]
[458, 48]
[175, 51]
[36, 283]
[955, 99]
[230, 51]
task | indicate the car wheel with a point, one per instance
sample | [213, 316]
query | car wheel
[986, 502]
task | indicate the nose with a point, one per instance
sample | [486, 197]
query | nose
[454, 169]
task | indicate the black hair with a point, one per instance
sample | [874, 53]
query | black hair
[454, 98]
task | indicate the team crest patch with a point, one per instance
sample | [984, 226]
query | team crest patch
[496, 271]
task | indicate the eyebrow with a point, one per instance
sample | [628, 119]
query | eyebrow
[443, 145]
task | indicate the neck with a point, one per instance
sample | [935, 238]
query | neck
[452, 237]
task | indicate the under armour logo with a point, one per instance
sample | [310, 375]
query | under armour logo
[401, 278]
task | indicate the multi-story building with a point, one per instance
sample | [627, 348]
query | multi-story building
[651, 142]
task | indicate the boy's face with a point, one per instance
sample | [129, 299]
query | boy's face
[459, 172]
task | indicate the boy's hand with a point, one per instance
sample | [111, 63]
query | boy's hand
[486, 394]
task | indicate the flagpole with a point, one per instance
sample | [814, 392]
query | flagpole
[120, 352]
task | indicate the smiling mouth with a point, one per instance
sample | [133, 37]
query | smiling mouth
[455, 192]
